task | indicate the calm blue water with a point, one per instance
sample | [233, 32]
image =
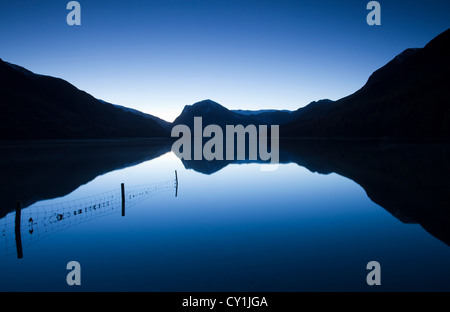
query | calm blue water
[237, 229]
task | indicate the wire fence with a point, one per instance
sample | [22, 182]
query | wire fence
[22, 228]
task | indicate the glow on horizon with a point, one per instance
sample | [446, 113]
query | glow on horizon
[158, 56]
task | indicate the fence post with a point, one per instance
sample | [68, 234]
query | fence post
[17, 230]
[122, 189]
[176, 184]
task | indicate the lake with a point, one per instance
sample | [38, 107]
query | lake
[311, 224]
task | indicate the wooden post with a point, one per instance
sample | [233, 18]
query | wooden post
[176, 184]
[122, 189]
[17, 230]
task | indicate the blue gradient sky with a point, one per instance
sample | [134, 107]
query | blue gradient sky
[157, 56]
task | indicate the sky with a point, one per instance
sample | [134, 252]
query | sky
[158, 56]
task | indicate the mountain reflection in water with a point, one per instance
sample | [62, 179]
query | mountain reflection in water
[409, 180]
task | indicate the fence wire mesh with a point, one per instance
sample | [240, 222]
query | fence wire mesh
[38, 221]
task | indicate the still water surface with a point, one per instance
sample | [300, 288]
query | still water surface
[228, 228]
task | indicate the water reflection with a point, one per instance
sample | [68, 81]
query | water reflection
[408, 180]
[37, 221]
[44, 171]
[38, 171]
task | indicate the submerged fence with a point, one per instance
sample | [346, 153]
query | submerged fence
[23, 227]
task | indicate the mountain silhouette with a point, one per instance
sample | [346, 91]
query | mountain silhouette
[214, 113]
[165, 124]
[211, 113]
[43, 107]
[406, 98]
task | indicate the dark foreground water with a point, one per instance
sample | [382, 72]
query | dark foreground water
[312, 224]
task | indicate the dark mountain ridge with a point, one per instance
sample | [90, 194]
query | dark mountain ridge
[406, 98]
[42, 107]
[214, 113]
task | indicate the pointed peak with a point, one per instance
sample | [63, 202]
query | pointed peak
[206, 102]
[205, 105]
